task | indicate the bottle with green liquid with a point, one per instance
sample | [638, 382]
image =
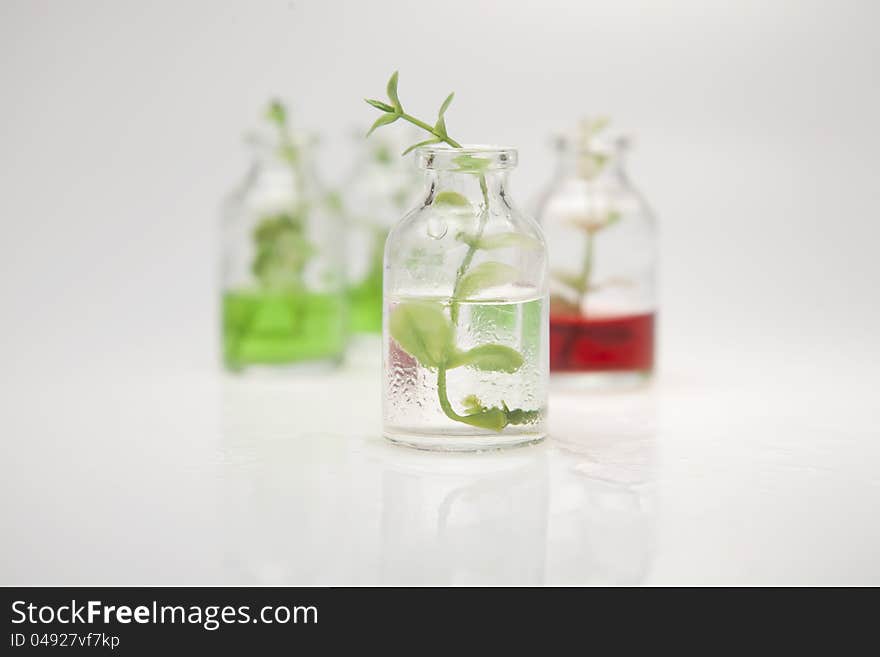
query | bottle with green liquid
[283, 300]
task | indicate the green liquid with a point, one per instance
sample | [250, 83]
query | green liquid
[275, 328]
[365, 304]
[365, 298]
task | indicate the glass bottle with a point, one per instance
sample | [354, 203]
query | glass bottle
[379, 190]
[283, 299]
[602, 241]
[465, 323]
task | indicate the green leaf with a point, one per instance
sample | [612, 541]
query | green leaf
[488, 358]
[448, 197]
[472, 404]
[440, 127]
[276, 112]
[392, 92]
[385, 119]
[500, 241]
[596, 125]
[427, 142]
[333, 201]
[483, 276]
[519, 416]
[471, 164]
[378, 104]
[573, 281]
[446, 104]
[382, 154]
[422, 330]
[493, 418]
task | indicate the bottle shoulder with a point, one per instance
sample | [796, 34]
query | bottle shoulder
[435, 222]
[574, 196]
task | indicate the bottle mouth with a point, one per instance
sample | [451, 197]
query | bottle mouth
[607, 145]
[470, 158]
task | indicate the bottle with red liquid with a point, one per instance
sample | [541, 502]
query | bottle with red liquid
[602, 248]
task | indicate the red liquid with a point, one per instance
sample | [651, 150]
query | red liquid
[601, 344]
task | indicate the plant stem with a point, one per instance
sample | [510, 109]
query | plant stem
[444, 398]
[424, 126]
[453, 304]
[586, 271]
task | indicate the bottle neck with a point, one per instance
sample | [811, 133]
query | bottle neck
[590, 165]
[491, 186]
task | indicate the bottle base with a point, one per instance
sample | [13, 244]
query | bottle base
[463, 442]
[364, 351]
[601, 381]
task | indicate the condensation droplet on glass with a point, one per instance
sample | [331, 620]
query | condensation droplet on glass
[436, 228]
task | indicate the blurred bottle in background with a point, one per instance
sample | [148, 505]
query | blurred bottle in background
[602, 244]
[282, 260]
[380, 189]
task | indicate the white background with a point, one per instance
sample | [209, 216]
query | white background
[757, 145]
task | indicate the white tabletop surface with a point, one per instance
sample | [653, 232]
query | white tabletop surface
[752, 469]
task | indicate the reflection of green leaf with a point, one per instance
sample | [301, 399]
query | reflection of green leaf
[422, 330]
[470, 164]
[488, 358]
[483, 276]
[448, 197]
[500, 241]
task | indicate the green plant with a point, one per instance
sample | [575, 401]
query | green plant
[282, 250]
[580, 283]
[591, 162]
[421, 328]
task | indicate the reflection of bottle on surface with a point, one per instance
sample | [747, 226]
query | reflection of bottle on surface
[601, 238]
[464, 519]
[283, 302]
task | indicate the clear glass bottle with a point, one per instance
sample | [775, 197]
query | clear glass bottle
[283, 300]
[381, 187]
[602, 241]
[465, 323]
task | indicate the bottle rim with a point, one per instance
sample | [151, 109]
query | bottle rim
[611, 144]
[470, 158]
